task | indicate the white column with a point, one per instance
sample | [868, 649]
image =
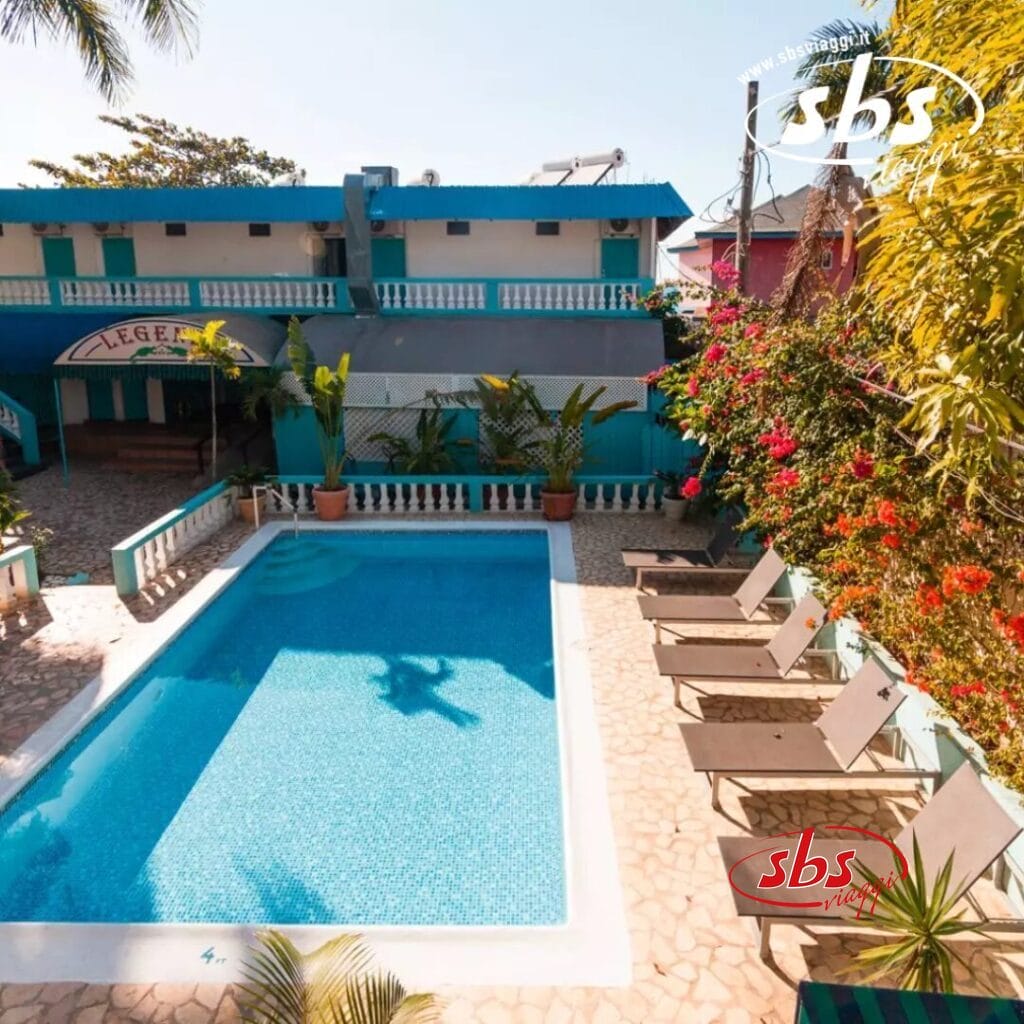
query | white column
[155, 400]
[117, 392]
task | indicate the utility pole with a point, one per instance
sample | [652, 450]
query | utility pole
[743, 224]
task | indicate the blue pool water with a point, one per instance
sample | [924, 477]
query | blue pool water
[360, 730]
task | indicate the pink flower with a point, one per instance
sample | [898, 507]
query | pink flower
[715, 353]
[783, 481]
[693, 387]
[655, 375]
[753, 376]
[753, 331]
[725, 272]
[691, 488]
[721, 316]
[863, 466]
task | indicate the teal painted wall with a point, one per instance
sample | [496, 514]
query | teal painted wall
[632, 443]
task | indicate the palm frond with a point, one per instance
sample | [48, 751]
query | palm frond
[168, 24]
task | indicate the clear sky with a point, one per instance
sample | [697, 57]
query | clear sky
[483, 92]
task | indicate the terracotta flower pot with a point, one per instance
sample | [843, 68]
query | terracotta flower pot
[557, 507]
[330, 505]
[247, 508]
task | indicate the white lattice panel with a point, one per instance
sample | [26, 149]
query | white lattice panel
[407, 390]
[534, 433]
[361, 424]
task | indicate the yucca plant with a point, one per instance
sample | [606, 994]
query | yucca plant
[923, 919]
[335, 984]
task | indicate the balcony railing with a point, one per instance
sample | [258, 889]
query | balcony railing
[277, 294]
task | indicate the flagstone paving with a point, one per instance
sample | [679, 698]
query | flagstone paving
[693, 960]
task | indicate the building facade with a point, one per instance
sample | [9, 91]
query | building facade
[427, 287]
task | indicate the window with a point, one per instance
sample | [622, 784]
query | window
[259, 230]
[175, 229]
[826, 260]
[1, 231]
[458, 227]
[548, 227]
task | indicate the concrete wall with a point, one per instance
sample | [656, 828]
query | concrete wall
[502, 249]
[226, 249]
[20, 251]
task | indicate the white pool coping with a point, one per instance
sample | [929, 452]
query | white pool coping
[591, 949]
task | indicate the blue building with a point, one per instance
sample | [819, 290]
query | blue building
[427, 286]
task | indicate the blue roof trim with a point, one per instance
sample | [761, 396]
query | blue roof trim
[77, 205]
[527, 202]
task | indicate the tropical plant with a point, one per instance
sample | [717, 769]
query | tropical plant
[165, 155]
[948, 240]
[829, 63]
[428, 451]
[208, 345]
[264, 390]
[673, 482]
[326, 391]
[923, 919]
[11, 512]
[561, 445]
[335, 984]
[509, 412]
[168, 25]
[245, 478]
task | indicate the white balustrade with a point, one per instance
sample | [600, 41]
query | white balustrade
[81, 292]
[269, 293]
[19, 575]
[24, 291]
[155, 548]
[450, 296]
[568, 296]
[10, 421]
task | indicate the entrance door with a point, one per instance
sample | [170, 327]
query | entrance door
[388, 257]
[133, 390]
[59, 257]
[187, 403]
[100, 394]
[332, 261]
[620, 258]
[119, 257]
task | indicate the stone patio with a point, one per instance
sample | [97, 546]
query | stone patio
[693, 959]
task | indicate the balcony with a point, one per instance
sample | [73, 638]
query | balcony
[396, 296]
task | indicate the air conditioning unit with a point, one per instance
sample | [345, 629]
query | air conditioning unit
[320, 227]
[107, 229]
[39, 228]
[386, 228]
[619, 227]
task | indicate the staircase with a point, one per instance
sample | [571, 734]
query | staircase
[140, 447]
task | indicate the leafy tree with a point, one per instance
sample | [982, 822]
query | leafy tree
[163, 155]
[947, 267]
[218, 352]
[91, 27]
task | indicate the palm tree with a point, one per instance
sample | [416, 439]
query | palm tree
[829, 67]
[169, 25]
[217, 350]
[334, 984]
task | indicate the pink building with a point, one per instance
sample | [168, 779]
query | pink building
[775, 230]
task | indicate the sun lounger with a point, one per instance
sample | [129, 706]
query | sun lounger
[709, 559]
[823, 749]
[745, 662]
[962, 819]
[737, 607]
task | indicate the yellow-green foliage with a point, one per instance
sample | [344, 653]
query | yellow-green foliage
[946, 264]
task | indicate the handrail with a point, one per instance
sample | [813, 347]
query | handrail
[19, 424]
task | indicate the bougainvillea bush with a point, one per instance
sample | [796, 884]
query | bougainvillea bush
[799, 428]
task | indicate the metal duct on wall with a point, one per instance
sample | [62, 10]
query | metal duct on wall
[358, 253]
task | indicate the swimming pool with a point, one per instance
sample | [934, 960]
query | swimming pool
[456, 748]
[361, 729]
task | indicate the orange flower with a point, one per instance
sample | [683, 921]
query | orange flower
[968, 579]
[928, 599]
[887, 516]
[891, 540]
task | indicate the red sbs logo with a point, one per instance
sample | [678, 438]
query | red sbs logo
[791, 868]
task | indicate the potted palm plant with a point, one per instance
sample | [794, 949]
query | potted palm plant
[673, 504]
[245, 479]
[326, 391]
[562, 448]
[509, 413]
